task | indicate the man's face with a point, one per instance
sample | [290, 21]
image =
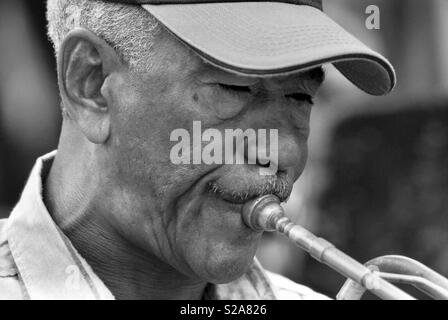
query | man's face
[188, 215]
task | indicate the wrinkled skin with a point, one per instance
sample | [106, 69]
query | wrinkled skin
[148, 227]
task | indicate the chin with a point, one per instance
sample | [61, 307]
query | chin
[224, 266]
[215, 244]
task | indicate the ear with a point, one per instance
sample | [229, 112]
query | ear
[84, 63]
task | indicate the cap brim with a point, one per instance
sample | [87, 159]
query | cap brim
[271, 38]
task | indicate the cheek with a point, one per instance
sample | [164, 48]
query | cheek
[143, 117]
[300, 117]
[142, 127]
[137, 144]
[216, 104]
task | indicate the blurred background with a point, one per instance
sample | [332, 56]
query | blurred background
[377, 178]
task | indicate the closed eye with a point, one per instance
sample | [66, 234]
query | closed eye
[235, 89]
[301, 97]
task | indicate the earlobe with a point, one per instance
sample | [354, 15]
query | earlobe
[84, 63]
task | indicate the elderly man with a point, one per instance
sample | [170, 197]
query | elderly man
[110, 215]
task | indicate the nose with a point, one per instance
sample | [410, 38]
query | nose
[283, 147]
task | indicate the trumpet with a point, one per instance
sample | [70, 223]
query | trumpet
[376, 276]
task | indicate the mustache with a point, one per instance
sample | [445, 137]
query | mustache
[279, 186]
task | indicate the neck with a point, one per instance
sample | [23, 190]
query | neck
[128, 271]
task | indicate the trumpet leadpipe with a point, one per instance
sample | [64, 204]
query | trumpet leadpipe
[266, 214]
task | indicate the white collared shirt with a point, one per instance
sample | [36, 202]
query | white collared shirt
[37, 261]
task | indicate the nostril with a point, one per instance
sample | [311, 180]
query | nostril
[264, 165]
[254, 159]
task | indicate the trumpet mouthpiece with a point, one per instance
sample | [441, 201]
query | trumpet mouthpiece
[262, 213]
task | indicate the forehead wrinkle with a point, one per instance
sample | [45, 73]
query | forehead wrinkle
[308, 81]
[216, 73]
[198, 66]
[316, 75]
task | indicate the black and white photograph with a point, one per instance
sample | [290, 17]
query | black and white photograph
[200, 151]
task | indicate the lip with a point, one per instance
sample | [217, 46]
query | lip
[235, 206]
[235, 187]
[228, 197]
[230, 211]
[237, 201]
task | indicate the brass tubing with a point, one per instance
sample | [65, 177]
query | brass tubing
[400, 269]
[266, 214]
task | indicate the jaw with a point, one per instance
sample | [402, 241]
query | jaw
[209, 237]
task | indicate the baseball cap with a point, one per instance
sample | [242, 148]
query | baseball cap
[269, 38]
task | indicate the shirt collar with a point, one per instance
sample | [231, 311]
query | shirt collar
[51, 267]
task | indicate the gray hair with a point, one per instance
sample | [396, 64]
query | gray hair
[129, 29]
